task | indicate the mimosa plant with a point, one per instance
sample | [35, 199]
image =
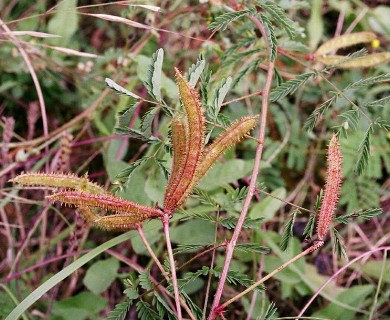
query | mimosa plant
[191, 161]
[192, 157]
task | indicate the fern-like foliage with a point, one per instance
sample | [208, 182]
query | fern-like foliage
[194, 308]
[350, 120]
[181, 248]
[126, 173]
[144, 280]
[231, 222]
[364, 151]
[237, 194]
[369, 81]
[279, 15]
[338, 245]
[378, 103]
[153, 81]
[249, 68]
[309, 228]
[271, 310]
[237, 278]
[315, 116]
[147, 120]
[163, 308]
[363, 214]
[290, 86]
[288, 231]
[221, 22]
[191, 276]
[120, 311]
[124, 116]
[145, 311]
[252, 247]
[273, 43]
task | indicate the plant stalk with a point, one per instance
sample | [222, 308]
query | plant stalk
[252, 186]
[149, 249]
[165, 221]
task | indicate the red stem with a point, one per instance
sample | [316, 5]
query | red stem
[252, 186]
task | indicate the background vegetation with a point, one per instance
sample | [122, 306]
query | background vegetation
[59, 116]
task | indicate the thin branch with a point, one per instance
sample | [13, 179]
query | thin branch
[165, 221]
[149, 249]
[342, 269]
[252, 186]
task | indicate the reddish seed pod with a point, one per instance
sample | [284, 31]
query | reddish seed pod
[196, 123]
[332, 188]
[108, 203]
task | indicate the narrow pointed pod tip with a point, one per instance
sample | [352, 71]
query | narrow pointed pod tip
[332, 187]
[226, 140]
[196, 126]
[105, 202]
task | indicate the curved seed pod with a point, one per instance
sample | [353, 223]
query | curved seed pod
[105, 202]
[367, 61]
[195, 119]
[117, 222]
[332, 188]
[230, 137]
[345, 40]
[179, 145]
[58, 180]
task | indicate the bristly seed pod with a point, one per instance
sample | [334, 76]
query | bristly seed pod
[117, 222]
[111, 203]
[58, 180]
[179, 137]
[332, 188]
[227, 139]
[195, 119]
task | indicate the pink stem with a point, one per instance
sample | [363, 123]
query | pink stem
[165, 221]
[252, 186]
[337, 273]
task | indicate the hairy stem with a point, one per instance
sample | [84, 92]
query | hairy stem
[252, 186]
[165, 221]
